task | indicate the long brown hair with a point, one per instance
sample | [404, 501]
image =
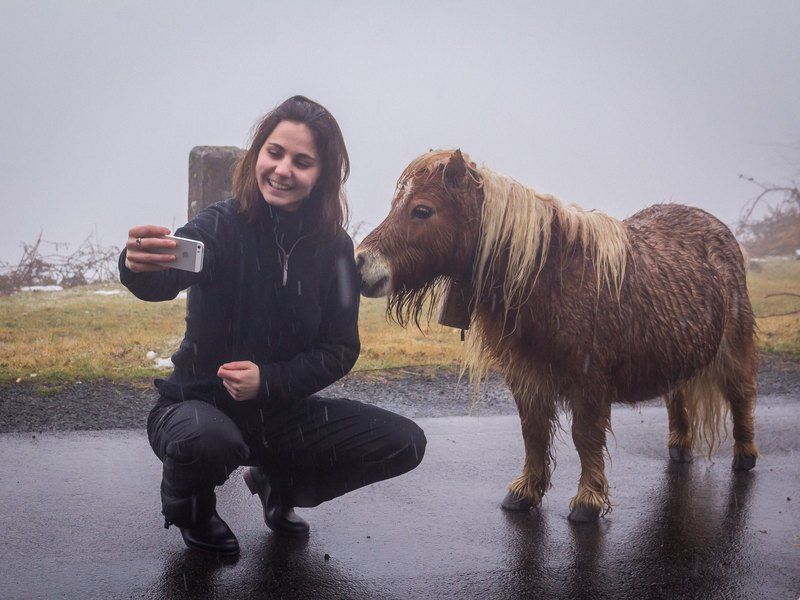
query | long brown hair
[326, 205]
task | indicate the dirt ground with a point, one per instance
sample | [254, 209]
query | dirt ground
[412, 392]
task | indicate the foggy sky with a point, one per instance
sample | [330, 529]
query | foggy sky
[613, 106]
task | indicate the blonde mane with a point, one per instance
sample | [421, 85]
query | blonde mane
[517, 222]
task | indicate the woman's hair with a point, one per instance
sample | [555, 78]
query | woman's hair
[327, 206]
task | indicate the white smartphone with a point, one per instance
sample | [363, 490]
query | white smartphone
[188, 254]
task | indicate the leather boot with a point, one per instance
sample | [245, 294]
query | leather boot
[212, 536]
[196, 516]
[279, 518]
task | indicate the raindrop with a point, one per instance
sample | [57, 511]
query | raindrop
[326, 414]
[299, 290]
[586, 361]
[196, 417]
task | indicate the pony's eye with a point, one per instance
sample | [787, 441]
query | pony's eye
[421, 211]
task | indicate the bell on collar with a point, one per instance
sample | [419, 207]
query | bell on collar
[456, 310]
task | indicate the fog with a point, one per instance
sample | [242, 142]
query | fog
[613, 106]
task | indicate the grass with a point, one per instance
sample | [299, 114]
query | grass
[80, 335]
[777, 334]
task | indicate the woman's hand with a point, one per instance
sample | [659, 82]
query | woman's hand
[139, 257]
[242, 379]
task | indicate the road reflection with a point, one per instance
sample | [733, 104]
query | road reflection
[689, 539]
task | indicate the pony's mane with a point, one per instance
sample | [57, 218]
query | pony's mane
[517, 222]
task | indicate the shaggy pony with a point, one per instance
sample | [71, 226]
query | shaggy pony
[576, 309]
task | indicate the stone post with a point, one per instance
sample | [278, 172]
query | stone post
[210, 174]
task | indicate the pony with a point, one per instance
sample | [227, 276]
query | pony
[577, 310]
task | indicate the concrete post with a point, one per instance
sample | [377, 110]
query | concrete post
[210, 174]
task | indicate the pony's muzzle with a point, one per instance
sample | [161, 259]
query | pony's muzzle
[373, 269]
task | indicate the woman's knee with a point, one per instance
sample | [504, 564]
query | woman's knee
[411, 442]
[200, 432]
[418, 442]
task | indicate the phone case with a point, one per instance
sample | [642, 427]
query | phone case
[188, 254]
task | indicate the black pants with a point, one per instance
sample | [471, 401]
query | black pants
[313, 450]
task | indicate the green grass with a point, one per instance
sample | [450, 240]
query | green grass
[79, 335]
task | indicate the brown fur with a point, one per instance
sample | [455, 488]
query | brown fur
[579, 310]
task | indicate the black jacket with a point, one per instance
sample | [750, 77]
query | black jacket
[295, 318]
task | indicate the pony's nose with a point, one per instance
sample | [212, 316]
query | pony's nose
[360, 260]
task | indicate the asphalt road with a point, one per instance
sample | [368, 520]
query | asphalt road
[80, 514]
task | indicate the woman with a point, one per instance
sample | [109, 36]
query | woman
[271, 319]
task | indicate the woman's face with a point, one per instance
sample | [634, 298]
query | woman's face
[288, 166]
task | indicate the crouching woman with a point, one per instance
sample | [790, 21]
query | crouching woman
[271, 320]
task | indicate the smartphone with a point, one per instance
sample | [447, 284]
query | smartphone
[188, 254]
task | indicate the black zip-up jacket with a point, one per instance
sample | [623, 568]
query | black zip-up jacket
[267, 293]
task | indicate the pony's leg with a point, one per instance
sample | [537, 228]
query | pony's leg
[680, 430]
[738, 385]
[590, 421]
[539, 419]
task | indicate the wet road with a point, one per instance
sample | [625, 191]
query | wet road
[80, 514]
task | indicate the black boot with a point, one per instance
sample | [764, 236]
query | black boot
[279, 518]
[212, 536]
[196, 516]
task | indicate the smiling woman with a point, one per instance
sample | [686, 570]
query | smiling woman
[287, 168]
[271, 319]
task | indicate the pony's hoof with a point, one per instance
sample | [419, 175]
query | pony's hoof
[680, 455]
[513, 502]
[744, 462]
[584, 514]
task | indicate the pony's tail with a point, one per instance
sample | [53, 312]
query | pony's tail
[706, 407]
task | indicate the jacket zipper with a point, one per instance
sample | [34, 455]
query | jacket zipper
[285, 255]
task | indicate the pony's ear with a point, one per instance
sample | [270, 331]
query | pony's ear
[455, 170]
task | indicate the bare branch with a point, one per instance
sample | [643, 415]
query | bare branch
[786, 314]
[791, 195]
[90, 262]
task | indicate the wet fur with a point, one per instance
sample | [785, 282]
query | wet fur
[579, 310]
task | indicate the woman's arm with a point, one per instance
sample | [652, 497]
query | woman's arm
[147, 274]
